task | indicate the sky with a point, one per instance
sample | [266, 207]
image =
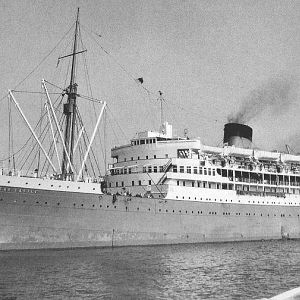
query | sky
[207, 57]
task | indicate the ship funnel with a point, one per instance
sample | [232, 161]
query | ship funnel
[238, 135]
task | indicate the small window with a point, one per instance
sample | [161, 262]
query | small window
[167, 155]
[132, 182]
[195, 170]
[183, 183]
[131, 158]
[181, 169]
[188, 170]
[146, 156]
[155, 169]
[161, 169]
[150, 169]
[149, 182]
[142, 142]
[138, 158]
[177, 182]
[140, 182]
[154, 156]
[175, 169]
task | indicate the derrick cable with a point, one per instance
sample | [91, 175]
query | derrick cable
[39, 137]
[41, 62]
[85, 136]
[88, 82]
[25, 144]
[50, 149]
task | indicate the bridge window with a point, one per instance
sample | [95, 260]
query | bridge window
[175, 169]
[188, 170]
[195, 170]
[181, 169]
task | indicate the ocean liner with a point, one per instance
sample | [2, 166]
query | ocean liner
[159, 188]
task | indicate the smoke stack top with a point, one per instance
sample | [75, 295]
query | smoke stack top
[238, 135]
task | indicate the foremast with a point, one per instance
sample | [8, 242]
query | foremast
[70, 111]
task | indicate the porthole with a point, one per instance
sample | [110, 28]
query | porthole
[26, 183]
[79, 188]
[100, 205]
[180, 211]
[93, 189]
[186, 211]
[149, 209]
[46, 202]
[51, 185]
[195, 198]
[93, 205]
[37, 202]
[59, 186]
[173, 210]
[81, 205]
[74, 204]
[166, 210]
[176, 197]
[159, 210]
[115, 207]
[23, 201]
[107, 206]
[192, 212]
[8, 181]
[39, 184]
[67, 186]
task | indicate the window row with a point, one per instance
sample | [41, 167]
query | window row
[194, 170]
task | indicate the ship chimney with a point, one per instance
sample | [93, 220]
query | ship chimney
[238, 135]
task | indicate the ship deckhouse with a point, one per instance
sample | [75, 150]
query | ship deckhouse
[159, 165]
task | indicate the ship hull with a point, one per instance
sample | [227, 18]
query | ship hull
[50, 219]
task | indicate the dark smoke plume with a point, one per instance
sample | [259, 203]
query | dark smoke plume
[276, 94]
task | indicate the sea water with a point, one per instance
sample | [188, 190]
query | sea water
[239, 270]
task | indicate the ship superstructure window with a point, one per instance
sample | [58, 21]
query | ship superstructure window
[200, 171]
[155, 169]
[149, 182]
[205, 171]
[146, 156]
[175, 169]
[131, 158]
[144, 169]
[132, 183]
[183, 183]
[209, 171]
[177, 182]
[150, 169]
[214, 172]
[129, 170]
[140, 182]
[154, 156]
[195, 170]
[138, 158]
[161, 168]
[125, 170]
[188, 170]
[142, 142]
[122, 183]
[117, 184]
[181, 169]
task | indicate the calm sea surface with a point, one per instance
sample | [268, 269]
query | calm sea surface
[248, 270]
